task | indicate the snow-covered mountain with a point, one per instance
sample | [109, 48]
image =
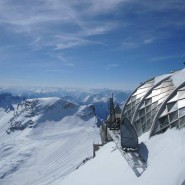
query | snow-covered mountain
[33, 112]
[97, 97]
[78, 95]
[47, 139]
[42, 140]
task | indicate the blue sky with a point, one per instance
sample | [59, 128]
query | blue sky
[89, 43]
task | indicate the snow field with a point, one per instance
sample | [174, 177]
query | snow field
[166, 164]
[57, 145]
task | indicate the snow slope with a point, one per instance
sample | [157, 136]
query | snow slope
[165, 155]
[34, 112]
[60, 141]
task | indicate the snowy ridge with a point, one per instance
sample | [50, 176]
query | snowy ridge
[57, 144]
[97, 97]
[86, 111]
[33, 111]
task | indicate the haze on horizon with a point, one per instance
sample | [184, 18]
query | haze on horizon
[89, 44]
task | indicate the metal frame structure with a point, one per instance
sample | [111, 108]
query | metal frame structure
[171, 113]
[135, 98]
[152, 106]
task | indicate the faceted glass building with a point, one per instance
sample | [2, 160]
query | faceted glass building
[157, 104]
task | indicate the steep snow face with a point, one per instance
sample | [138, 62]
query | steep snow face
[35, 111]
[165, 156]
[58, 144]
[7, 104]
[85, 112]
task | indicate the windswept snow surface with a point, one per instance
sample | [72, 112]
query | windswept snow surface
[51, 150]
[165, 157]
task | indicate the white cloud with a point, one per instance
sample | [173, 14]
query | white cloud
[164, 5]
[54, 17]
[102, 6]
[111, 66]
[65, 61]
[168, 57]
[65, 42]
[150, 40]
[46, 19]
[138, 41]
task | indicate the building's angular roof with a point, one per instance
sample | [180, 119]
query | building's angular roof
[157, 104]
